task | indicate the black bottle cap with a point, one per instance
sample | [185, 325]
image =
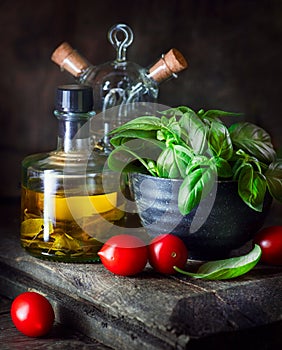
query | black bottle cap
[74, 98]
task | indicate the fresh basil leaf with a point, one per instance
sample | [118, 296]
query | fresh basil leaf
[240, 158]
[253, 140]
[168, 122]
[227, 268]
[274, 180]
[179, 111]
[126, 135]
[151, 167]
[121, 158]
[165, 120]
[168, 136]
[139, 123]
[219, 140]
[174, 128]
[167, 165]
[215, 114]
[196, 185]
[173, 161]
[185, 110]
[194, 131]
[251, 187]
[183, 157]
[161, 136]
[201, 112]
[171, 113]
[223, 168]
[171, 135]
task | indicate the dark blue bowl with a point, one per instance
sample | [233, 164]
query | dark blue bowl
[220, 223]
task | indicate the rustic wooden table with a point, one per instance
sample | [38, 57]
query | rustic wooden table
[150, 311]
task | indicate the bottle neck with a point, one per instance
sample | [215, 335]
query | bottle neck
[76, 65]
[74, 132]
[70, 60]
[160, 72]
[167, 66]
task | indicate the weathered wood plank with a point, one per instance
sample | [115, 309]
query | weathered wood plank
[151, 310]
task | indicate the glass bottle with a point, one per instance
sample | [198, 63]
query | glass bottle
[71, 201]
[110, 80]
[119, 82]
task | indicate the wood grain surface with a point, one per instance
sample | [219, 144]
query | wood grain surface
[148, 311]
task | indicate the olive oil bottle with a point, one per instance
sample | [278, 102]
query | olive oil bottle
[70, 201]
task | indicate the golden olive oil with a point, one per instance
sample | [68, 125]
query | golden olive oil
[67, 228]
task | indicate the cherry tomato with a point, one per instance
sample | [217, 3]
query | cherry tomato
[32, 314]
[166, 251]
[270, 241]
[124, 255]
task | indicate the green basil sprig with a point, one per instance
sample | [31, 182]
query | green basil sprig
[198, 148]
[227, 268]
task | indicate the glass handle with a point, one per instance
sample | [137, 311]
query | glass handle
[120, 36]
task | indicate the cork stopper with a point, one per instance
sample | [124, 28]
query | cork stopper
[168, 65]
[69, 59]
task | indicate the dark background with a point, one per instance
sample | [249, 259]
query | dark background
[233, 48]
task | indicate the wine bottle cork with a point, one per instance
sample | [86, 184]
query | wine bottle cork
[69, 59]
[169, 64]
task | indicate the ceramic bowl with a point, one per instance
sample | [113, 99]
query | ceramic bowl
[220, 223]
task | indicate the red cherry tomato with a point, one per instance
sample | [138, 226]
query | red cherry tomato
[124, 255]
[166, 251]
[32, 314]
[270, 241]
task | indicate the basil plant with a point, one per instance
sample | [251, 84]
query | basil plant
[200, 149]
